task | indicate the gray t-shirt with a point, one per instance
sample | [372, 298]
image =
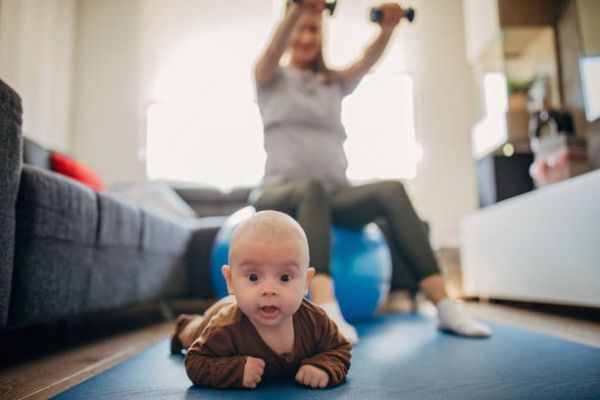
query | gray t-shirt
[303, 133]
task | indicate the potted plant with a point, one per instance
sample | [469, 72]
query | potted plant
[517, 94]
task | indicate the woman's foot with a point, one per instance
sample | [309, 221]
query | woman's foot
[332, 309]
[453, 318]
[397, 301]
[321, 293]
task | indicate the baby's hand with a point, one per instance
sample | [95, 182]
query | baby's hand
[253, 371]
[312, 376]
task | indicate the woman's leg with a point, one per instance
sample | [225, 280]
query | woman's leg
[358, 205]
[308, 203]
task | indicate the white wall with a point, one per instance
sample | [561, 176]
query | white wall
[122, 44]
[36, 59]
[445, 106]
[108, 113]
[482, 26]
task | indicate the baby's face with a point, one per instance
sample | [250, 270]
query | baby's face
[269, 277]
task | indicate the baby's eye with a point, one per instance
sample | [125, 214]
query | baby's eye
[286, 277]
[253, 277]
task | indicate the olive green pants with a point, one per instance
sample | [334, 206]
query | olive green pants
[315, 210]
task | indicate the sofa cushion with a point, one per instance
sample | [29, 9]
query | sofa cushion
[53, 206]
[116, 265]
[10, 170]
[156, 196]
[120, 223]
[54, 252]
[80, 251]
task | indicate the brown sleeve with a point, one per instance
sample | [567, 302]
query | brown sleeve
[189, 327]
[211, 360]
[333, 351]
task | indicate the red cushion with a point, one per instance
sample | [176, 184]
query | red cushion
[72, 168]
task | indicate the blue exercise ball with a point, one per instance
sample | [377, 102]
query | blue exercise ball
[361, 265]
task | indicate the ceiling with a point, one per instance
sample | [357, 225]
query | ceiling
[516, 39]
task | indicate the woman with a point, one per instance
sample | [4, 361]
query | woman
[305, 173]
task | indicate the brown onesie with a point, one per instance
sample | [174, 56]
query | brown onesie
[224, 337]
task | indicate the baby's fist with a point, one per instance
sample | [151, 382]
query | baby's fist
[253, 371]
[312, 376]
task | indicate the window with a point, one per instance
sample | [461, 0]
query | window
[590, 81]
[204, 125]
[380, 125]
[491, 131]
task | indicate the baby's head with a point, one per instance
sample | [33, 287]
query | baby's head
[268, 268]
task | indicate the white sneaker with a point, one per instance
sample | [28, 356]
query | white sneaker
[332, 309]
[453, 318]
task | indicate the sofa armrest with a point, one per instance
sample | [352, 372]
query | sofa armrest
[10, 171]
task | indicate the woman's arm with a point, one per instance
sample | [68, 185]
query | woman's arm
[351, 77]
[267, 64]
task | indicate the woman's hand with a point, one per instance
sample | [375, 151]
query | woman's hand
[312, 376]
[253, 372]
[391, 14]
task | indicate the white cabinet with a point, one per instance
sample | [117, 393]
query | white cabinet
[542, 246]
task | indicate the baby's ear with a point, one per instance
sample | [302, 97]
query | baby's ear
[226, 271]
[309, 275]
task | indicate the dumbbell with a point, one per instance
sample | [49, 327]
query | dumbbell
[377, 14]
[329, 5]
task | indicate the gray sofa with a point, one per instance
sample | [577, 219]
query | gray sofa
[66, 250]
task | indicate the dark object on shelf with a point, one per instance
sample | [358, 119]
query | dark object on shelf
[559, 154]
[547, 122]
[500, 177]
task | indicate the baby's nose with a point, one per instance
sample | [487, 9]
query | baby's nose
[269, 290]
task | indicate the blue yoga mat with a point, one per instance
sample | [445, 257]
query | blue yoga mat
[399, 357]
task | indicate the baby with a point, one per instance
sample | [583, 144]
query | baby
[265, 328]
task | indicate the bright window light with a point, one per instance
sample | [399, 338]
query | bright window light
[379, 121]
[590, 81]
[491, 131]
[204, 125]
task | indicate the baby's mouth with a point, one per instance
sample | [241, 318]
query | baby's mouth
[269, 310]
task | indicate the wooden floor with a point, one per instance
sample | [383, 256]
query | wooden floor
[584, 331]
[49, 374]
